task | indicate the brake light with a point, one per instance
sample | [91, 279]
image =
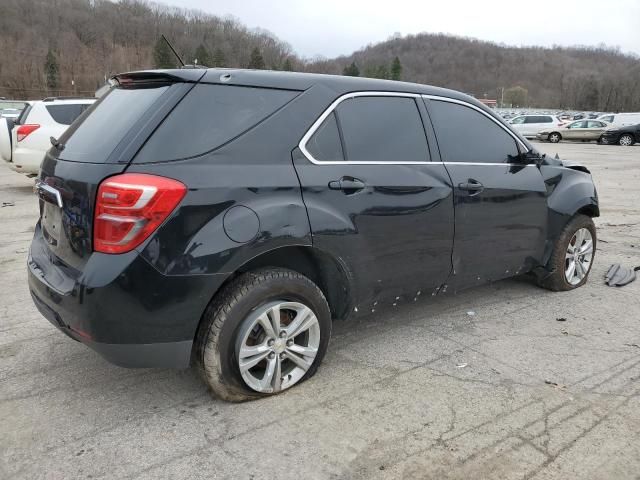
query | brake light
[130, 207]
[25, 130]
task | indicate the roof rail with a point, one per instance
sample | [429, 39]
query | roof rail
[51, 99]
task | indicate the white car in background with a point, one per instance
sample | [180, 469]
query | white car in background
[31, 134]
[529, 125]
[620, 119]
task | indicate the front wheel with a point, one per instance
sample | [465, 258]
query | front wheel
[265, 332]
[603, 140]
[572, 257]
[626, 140]
[554, 137]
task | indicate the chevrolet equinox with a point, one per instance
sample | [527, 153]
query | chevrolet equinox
[224, 218]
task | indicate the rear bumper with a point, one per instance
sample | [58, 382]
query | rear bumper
[121, 307]
[26, 160]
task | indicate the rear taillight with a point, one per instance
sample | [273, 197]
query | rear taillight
[129, 207]
[25, 130]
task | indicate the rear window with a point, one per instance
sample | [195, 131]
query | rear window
[109, 119]
[66, 114]
[208, 117]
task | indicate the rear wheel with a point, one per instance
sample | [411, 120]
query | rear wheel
[626, 140]
[554, 137]
[572, 256]
[266, 331]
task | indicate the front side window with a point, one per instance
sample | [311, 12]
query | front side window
[466, 135]
[518, 120]
[580, 124]
[382, 129]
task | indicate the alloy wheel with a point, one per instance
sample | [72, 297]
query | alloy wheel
[278, 346]
[626, 140]
[579, 256]
[554, 138]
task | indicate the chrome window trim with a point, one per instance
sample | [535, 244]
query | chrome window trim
[494, 120]
[314, 127]
[302, 145]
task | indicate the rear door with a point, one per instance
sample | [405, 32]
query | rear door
[375, 199]
[500, 204]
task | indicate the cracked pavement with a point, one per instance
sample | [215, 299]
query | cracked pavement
[420, 390]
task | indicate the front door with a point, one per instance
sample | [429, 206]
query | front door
[500, 203]
[374, 198]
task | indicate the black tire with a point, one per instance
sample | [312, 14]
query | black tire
[554, 137]
[556, 280]
[603, 140]
[218, 334]
[626, 138]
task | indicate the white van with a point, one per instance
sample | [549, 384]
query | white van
[621, 119]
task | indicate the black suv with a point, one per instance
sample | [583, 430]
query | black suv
[225, 217]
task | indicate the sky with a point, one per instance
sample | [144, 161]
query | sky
[331, 28]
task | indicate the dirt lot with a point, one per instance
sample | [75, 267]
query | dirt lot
[420, 391]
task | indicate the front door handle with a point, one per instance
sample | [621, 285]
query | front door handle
[347, 184]
[472, 186]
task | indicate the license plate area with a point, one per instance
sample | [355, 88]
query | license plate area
[51, 223]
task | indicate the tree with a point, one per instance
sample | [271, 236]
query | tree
[352, 70]
[256, 62]
[218, 58]
[287, 67]
[202, 56]
[396, 69]
[162, 55]
[51, 71]
[516, 96]
[382, 72]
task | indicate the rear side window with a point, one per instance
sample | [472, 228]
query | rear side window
[382, 129]
[66, 114]
[98, 134]
[208, 117]
[325, 144]
[594, 124]
[466, 135]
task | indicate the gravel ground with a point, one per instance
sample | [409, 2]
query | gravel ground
[418, 391]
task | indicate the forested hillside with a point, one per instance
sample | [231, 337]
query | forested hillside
[71, 46]
[56, 41]
[581, 78]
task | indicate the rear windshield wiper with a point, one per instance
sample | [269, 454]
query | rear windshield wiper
[56, 143]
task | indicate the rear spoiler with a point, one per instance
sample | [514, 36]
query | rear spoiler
[157, 77]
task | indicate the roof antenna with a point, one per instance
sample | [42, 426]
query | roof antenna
[173, 50]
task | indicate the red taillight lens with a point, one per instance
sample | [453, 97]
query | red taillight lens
[129, 207]
[25, 130]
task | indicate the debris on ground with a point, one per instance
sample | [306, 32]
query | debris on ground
[461, 365]
[561, 319]
[555, 385]
[471, 313]
[8, 204]
[619, 276]
[632, 345]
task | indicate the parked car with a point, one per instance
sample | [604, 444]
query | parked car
[530, 125]
[584, 130]
[37, 124]
[621, 119]
[225, 217]
[9, 113]
[626, 136]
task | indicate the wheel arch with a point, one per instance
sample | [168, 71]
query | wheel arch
[329, 273]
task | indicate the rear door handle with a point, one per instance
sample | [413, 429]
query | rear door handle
[347, 184]
[472, 186]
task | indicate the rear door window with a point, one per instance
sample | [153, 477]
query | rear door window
[67, 113]
[110, 118]
[382, 129]
[325, 145]
[208, 117]
[466, 135]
